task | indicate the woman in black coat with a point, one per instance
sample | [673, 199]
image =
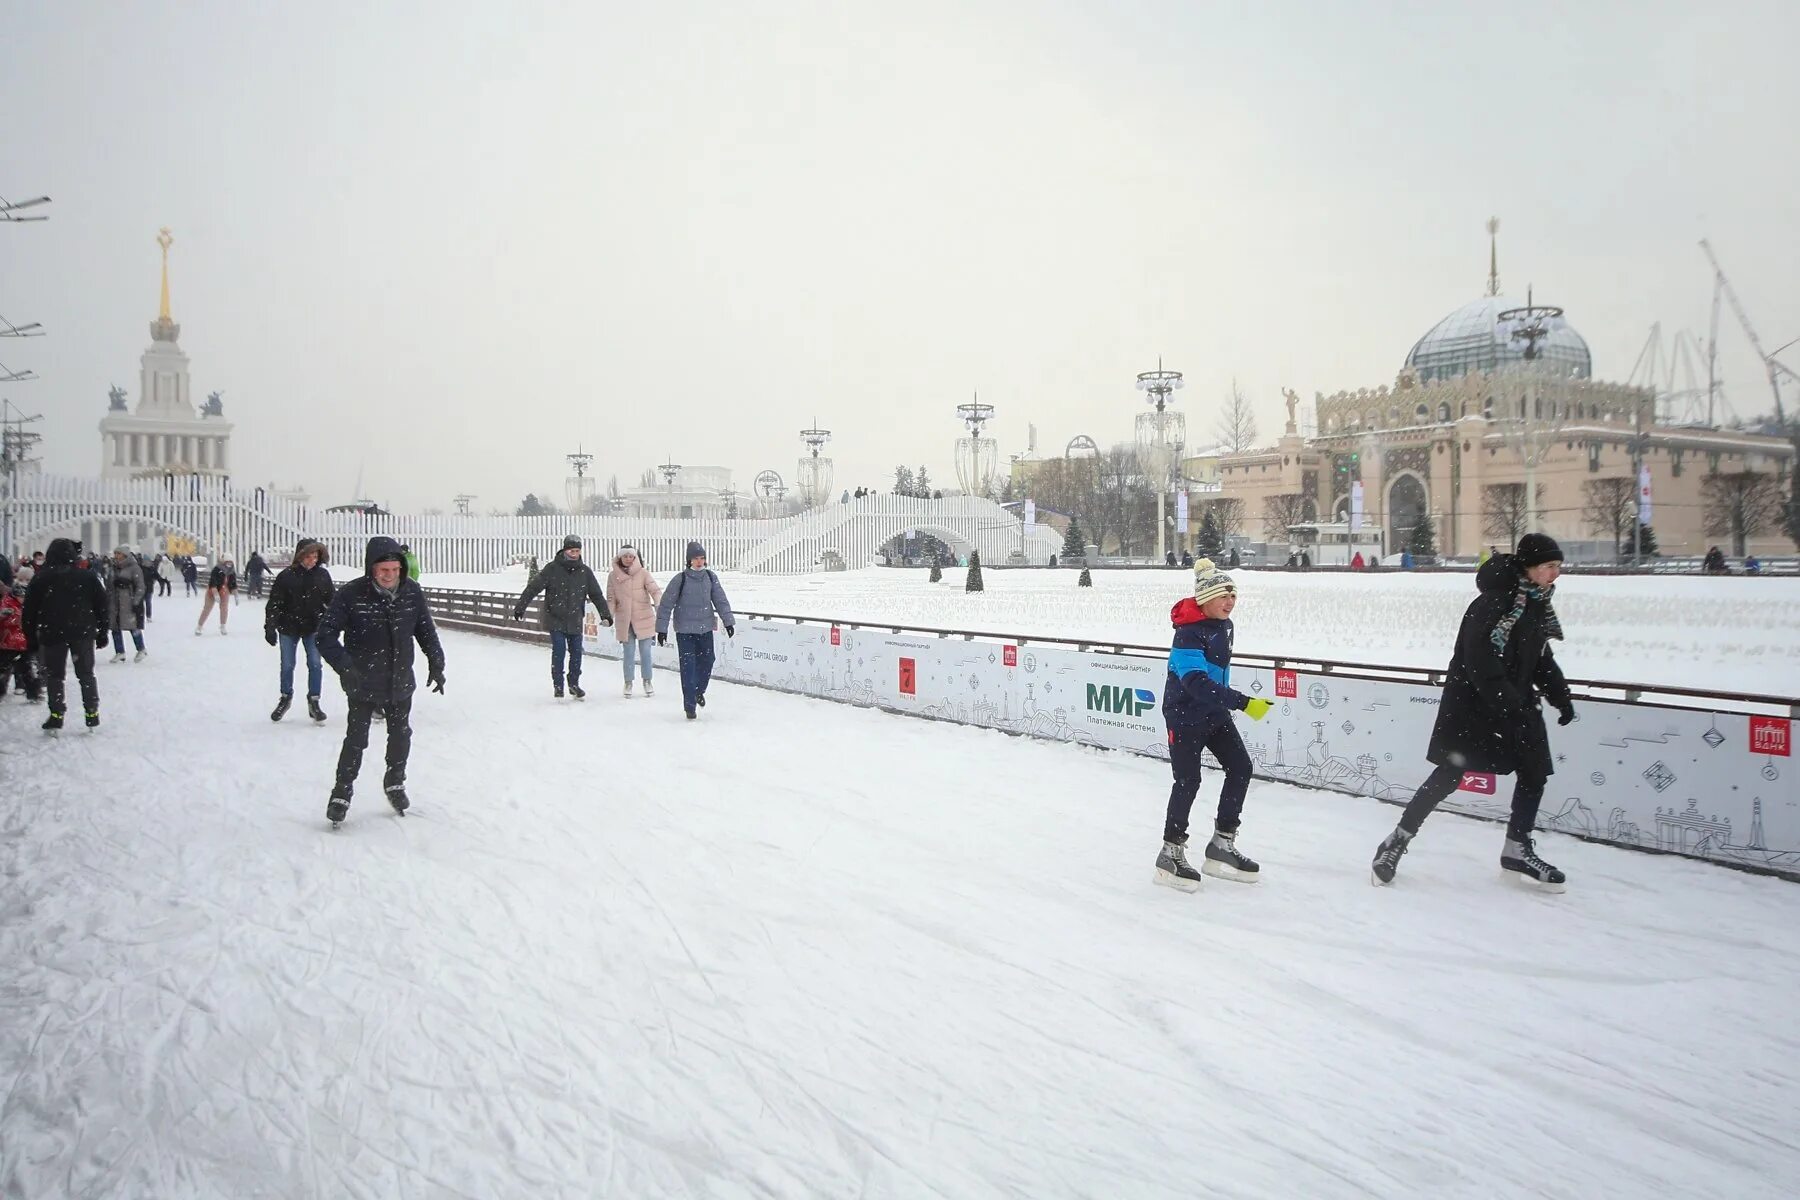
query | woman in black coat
[1489, 720]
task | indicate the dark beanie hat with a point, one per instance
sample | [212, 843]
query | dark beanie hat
[1536, 549]
[573, 542]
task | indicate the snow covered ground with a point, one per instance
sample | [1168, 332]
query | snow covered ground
[1714, 634]
[797, 949]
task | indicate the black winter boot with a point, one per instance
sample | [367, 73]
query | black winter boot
[1387, 856]
[281, 707]
[313, 710]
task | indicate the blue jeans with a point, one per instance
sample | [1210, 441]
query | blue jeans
[137, 639]
[696, 665]
[641, 648]
[559, 643]
[314, 671]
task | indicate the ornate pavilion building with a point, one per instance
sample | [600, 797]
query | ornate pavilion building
[1453, 434]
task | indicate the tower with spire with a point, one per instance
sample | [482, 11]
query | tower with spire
[164, 433]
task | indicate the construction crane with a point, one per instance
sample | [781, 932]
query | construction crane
[1774, 368]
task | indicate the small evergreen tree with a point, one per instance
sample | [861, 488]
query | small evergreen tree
[532, 567]
[1422, 541]
[1647, 541]
[922, 483]
[1086, 580]
[1073, 550]
[1207, 541]
[973, 582]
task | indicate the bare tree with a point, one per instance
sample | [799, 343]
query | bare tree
[1281, 511]
[1609, 508]
[1505, 515]
[1741, 506]
[1237, 423]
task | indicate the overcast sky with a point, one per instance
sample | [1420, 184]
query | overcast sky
[446, 242]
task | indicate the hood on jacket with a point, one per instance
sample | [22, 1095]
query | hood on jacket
[1186, 612]
[1501, 573]
[382, 549]
[61, 552]
[306, 544]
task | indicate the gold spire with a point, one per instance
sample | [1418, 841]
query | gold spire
[163, 239]
[1493, 228]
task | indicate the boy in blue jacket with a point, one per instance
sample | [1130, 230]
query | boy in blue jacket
[1197, 705]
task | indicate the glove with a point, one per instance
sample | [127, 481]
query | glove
[662, 639]
[518, 614]
[1568, 715]
[436, 680]
[731, 631]
[606, 621]
[1258, 708]
[100, 640]
[269, 637]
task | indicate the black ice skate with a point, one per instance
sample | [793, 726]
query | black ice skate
[692, 715]
[1387, 857]
[53, 724]
[558, 691]
[1224, 861]
[575, 690]
[281, 707]
[700, 699]
[1172, 868]
[336, 809]
[1520, 859]
[396, 796]
[313, 710]
[93, 720]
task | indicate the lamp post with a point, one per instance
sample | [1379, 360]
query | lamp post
[669, 471]
[1158, 432]
[1534, 436]
[815, 472]
[976, 456]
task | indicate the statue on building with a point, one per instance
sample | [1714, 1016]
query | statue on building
[1293, 403]
[214, 406]
[117, 396]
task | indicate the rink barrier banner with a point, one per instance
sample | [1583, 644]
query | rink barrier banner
[1677, 770]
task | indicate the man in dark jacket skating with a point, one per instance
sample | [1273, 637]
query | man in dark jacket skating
[367, 636]
[1489, 720]
[66, 619]
[568, 584]
[297, 603]
[690, 602]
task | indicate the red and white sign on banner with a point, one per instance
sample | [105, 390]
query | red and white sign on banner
[1771, 735]
[837, 636]
[1479, 781]
[1287, 683]
[909, 677]
[1644, 494]
[1009, 656]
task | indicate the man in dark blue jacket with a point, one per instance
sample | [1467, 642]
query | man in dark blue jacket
[1197, 705]
[367, 636]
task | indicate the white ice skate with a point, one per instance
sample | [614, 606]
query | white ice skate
[140, 656]
[649, 688]
[628, 689]
[119, 657]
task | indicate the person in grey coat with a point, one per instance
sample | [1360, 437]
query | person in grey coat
[125, 598]
[567, 584]
[689, 602]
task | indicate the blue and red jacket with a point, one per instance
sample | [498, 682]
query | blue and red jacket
[1198, 693]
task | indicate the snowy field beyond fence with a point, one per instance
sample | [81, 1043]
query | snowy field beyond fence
[798, 949]
[1711, 634]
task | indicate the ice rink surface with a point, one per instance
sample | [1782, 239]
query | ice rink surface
[802, 950]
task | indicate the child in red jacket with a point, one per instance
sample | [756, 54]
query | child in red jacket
[15, 659]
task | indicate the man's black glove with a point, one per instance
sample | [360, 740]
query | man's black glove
[436, 680]
[100, 640]
[1568, 714]
[731, 631]
[662, 639]
[269, 637]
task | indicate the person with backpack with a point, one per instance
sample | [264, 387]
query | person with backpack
[297, 603]
[220, 585]
[689, 603]
[367, 637]
[568, 584]
[633, 593]
[66, 620]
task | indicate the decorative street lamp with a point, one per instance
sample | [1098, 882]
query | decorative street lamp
[815, 472]
[977, 457]
[669, 471]
[1160, 435]
[1534, 434]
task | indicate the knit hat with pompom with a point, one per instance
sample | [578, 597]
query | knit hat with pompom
[1210, 583]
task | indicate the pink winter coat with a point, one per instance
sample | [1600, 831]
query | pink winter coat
[632, 596]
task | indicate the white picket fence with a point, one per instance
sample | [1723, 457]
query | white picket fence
[221, 520]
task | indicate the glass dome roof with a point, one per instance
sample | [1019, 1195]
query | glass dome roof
[1472, 339]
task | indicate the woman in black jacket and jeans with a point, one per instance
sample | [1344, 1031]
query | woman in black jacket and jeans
[1489, 719]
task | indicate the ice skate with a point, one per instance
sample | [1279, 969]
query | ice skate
[336, 809]
[118, 658]
[557, 691]
[396, 796]
[1224, 860]
[649, 690]
[575, 690]
[281, 707]
[53, 723]
[1172, 869]
[196, 633]
[1387, 857]
[628, 689]
[1520, 860]
[93, 719]
[692, 715]
[140, 656]
[700, 699]
[313, 710]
